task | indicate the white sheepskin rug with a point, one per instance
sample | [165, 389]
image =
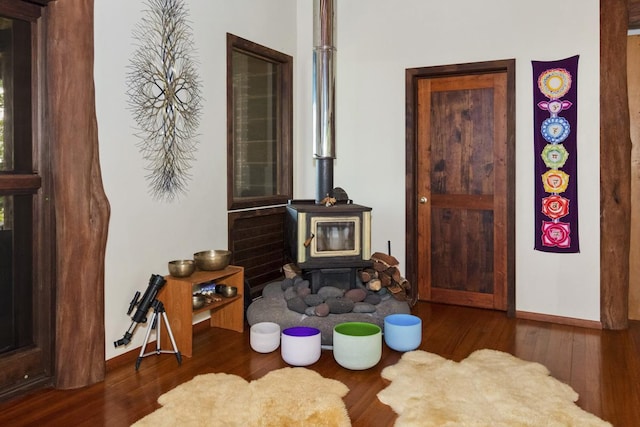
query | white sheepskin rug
[284, 397]
[488, 388]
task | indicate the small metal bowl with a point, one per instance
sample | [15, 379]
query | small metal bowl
[216, 259]
[229, 291]
[182, 267]
[199, 301]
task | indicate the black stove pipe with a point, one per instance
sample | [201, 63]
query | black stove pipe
[324, 178]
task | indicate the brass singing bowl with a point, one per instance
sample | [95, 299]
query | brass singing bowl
[199, 301]
[216, 259]
[182, 267]
[229, 291]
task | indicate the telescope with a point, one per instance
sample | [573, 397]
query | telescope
[156, 282]
[149, 300]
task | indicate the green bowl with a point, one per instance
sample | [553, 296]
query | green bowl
[357, 345]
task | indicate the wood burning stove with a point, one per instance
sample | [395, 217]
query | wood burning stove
[328, 243]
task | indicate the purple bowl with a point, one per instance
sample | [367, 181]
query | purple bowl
[301, 331]
[300, 345]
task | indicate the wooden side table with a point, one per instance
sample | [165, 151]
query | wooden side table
[176, 295]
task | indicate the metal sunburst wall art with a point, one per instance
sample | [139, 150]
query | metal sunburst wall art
[165, 96]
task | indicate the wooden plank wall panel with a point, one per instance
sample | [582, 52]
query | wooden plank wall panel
[634, 14]
[256, 240]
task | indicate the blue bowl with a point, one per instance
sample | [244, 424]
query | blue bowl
[403, 332]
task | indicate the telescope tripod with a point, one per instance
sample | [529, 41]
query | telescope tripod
[158, 315]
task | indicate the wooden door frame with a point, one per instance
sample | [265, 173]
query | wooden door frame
[411, 83]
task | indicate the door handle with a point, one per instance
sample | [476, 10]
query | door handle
[423, 200]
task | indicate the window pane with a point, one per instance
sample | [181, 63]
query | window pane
[15, 272]
[260, 121]
[6, 139]
[16, 214]
[255, 123]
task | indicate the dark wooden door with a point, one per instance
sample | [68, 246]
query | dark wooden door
[462, 189]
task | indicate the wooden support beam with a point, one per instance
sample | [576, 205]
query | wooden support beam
[615, 165]
[81, 207]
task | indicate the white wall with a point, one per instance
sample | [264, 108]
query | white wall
[377, 41]
[145, 234]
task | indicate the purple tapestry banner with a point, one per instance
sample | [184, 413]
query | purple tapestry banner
[555, 121]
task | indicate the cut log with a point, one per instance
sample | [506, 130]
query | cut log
[385, 278]
[389, 260]
[379, 266]
[374, 285]
[398, 291]
[394, 272]
[367, 275]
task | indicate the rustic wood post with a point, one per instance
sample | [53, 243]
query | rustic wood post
[81, 207]
[615, 165]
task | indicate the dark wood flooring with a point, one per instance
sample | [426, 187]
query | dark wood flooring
[602, 366]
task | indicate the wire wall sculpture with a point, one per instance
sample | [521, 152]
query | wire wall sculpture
[165, 96]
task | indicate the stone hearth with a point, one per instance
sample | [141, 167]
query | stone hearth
[273, 307]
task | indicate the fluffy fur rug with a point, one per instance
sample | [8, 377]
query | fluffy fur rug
[489, 388]
[285, 397]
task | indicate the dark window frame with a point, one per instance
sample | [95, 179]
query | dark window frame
[284, 66]
[28, 180]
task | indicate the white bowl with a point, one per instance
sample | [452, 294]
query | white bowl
[265, 337]
[300, 345]
[357, 345]
[402, 332]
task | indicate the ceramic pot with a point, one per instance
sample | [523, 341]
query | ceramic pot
[357, 345]
[402, 332]
[300, 345]
[265, 337]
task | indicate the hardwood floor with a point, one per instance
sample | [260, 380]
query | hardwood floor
[602, 366]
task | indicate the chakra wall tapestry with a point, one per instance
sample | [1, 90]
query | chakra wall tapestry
[555, 121]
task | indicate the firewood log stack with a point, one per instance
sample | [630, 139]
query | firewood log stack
[385, 274]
